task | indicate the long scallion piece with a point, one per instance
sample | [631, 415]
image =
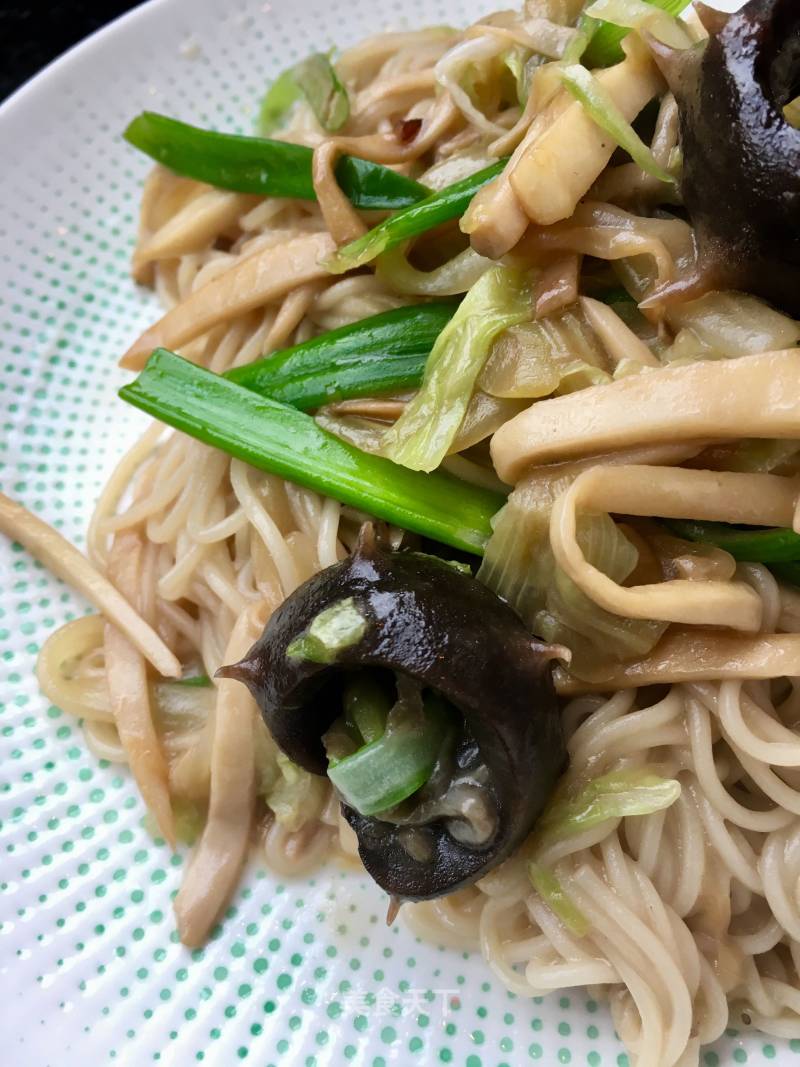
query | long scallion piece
[449, 203]
[605, 49]
[277, 438]
[749, 545]
[262, 166]
[380, 354]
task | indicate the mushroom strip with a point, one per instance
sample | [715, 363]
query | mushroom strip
[445, 780]
[755, 396]
[251, 283]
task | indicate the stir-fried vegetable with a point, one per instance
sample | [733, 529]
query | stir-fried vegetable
[276, 438]
[332, 631]
[380, 354]
[448, 203]
[611, 796]
[751, 545]
[601, 108]
[316, 80]
[258, 165]
[552, 893]
[391, 768]
[604, 47]
[421, 437]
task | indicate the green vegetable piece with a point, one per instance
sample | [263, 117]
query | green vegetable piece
[605, 46]
[552, 893]
[194, 681]
[278, 102]
[336, 628]
[448, 203]
[789, 573]
[602, 110]
[422, 435]
[258, 165]
[278, 439]
[326, 96]
[751, 545]
[366, 706]
[389, 770]
[380, 354]
[610, 796]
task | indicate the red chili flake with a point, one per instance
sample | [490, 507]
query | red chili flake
[408, 129]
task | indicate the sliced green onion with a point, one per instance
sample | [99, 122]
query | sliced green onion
[420, 438]
[258, 165]
[751, 545]
[552, 893]
[389, 770]
[366, 706]
[449, 203]
[277, 438]
[605, 47]
[601, 108]
[337, 627]
[381, 354]
[278, 101]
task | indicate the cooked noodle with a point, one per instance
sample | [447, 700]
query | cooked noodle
[689, 909]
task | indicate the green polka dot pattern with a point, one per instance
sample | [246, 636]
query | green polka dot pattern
[301, 973]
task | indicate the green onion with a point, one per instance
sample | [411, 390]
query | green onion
[258, 165]
[604, 48]
[337, 627]
[751, 545]
[449, 203]
[366, 706]
[602, 110]
[380, 354]
[389, 770]
[277, 438]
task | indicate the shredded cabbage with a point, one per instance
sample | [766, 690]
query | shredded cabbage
[278, 101]
[556, 354]
[297, 796]
[315, 79]
[617, 795]
[726, 325]
[421, 437]
[552, 893]
[455, 276]
[641, 16]
[600, 107]
[520, 567]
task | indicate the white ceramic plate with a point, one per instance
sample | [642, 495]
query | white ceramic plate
[92, 972]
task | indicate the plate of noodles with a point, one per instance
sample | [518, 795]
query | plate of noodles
[401, 563]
